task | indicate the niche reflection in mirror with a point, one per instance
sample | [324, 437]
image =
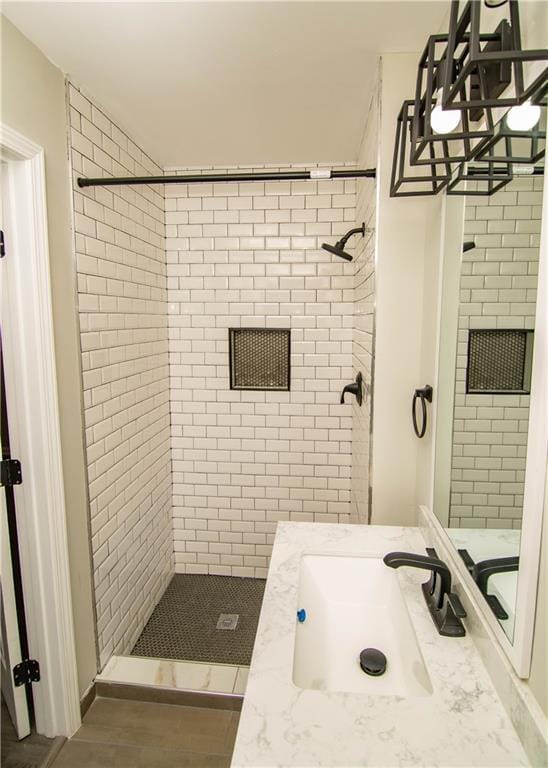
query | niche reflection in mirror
[481, 449]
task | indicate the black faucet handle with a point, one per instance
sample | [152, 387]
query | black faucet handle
[457, 607]
[448, 618]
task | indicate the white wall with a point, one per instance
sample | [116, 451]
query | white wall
[122, 292]
[407, 275]
[249, 255]
[33, 103]
[442, 421]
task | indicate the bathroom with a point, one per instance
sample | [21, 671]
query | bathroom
[231, 413]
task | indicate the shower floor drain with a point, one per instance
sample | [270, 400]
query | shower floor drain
[228, 621]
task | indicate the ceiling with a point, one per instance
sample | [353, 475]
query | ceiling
[210, 83]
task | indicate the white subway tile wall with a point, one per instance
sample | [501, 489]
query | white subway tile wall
[249, 255]
[122, 292]
[497, 290]
[364, 320]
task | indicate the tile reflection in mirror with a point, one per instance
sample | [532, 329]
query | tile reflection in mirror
[481, 458]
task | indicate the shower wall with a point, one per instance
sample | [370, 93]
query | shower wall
[120, 256]
[249, 255]
[364, 319]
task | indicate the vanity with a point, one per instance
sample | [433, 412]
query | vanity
[306, 705]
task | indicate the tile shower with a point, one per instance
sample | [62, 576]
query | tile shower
[187, 475]
[246, 255]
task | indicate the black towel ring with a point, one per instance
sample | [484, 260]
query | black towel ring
[425, 394]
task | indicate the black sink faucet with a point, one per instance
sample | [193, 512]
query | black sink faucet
[397, 559]
[487, 568]
[444, 606]
[481, 573]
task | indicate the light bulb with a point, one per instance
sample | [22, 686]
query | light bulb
[524, 117]
[444, 120]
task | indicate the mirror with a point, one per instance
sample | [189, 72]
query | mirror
[485, 387]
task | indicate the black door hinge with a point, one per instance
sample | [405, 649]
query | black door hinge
[2, 245]
[27, 671]
[10, 472]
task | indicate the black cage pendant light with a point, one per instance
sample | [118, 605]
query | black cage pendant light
[439, 133]
[481, 74]
[480, 178]
[515, 147]
[465, 80]
[408, 180]
[516, 144]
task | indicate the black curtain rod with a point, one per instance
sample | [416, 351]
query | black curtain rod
[314, 175]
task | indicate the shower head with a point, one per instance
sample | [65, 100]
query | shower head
[468, 245]
[338, 248]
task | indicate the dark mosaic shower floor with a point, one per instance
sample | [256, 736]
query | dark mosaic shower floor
[183, 624]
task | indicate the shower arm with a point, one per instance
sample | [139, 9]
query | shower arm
[343, 241]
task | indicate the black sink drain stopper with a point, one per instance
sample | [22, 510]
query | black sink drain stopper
[373, 662]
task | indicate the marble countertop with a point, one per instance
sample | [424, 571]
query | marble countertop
[486, 543]
[462, 723]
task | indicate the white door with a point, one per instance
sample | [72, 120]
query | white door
[26, 319]
[14, 696]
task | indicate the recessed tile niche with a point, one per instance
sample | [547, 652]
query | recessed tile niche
[260, 358]
[499, 361]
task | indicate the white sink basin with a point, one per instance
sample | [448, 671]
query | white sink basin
[352, 603]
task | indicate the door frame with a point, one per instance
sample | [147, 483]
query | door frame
[31, 389]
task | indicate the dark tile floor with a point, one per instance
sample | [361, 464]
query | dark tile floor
[27, 753]
[184, 623]
[137, 734]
